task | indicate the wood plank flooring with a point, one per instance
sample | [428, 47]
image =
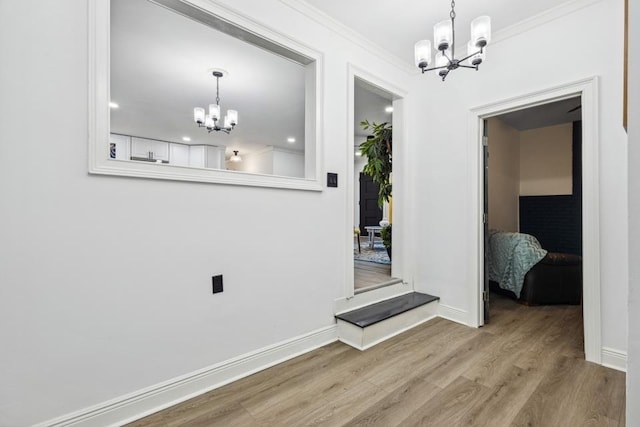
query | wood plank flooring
[525, 368]
[369, 274]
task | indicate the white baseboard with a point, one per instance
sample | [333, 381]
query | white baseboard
[160, 396]
[453, 314]
[614, 359]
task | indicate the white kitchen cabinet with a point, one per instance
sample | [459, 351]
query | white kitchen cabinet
[149, 149]
[178, 154]
[207, 156]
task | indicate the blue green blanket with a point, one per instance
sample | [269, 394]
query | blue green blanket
[510, 257]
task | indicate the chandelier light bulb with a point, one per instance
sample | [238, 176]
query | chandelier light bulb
[442, 34]
[233, 117]
[481, 31]
[422, 52]
[208, 122]
[475, 56]
[214, 111]
[198, 115]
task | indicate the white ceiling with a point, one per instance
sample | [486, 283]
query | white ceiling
[369, 105]
[398, 25]
[554, 113]
[159, 73]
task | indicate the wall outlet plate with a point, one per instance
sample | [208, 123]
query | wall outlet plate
[217, 283]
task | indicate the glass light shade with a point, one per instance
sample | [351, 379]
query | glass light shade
[233, 117]
[477, 57]
[481, 31]
[227, 122]
[208, 122]
[198, 115]
[441, 60]
[422, 52]
[235, 158]
[442, 34]
[214, 111]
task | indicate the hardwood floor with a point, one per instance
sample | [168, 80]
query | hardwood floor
[525, 368]
[369, 274]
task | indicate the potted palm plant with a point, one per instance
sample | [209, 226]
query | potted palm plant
[378, 149]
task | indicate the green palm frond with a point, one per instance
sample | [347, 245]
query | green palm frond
[378, 150]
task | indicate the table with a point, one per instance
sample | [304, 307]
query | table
[372, 230]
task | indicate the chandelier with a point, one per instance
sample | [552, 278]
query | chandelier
[444, 36]
[212, 120]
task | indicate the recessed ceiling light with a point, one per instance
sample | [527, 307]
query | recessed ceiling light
[389, 109]
[291, 140]
[113, 105]
[186, 139]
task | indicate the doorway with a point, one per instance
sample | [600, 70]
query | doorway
[372, 260]
[587, 91]
[533, 199]
[376, 101]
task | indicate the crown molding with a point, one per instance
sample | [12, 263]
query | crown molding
[540, 19]
[355, 37]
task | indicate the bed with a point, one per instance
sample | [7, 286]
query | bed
[519, 267]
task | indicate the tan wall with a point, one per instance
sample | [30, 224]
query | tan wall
[504, 175]
[545, 161]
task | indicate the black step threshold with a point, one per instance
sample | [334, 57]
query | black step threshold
[374, 313]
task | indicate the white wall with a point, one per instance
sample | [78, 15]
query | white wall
[504, 175]
[633, 365]
[545, 161]
[106, 282]
[272, 161]
[443, 162]
[257, 162]
[288, 163]
[535, 162]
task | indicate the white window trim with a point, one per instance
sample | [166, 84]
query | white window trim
[99, 114]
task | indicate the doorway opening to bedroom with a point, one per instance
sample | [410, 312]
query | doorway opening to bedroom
[533, 205]
[373, 211]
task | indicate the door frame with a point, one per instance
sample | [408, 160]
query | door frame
[399, 264]
[587, 89]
